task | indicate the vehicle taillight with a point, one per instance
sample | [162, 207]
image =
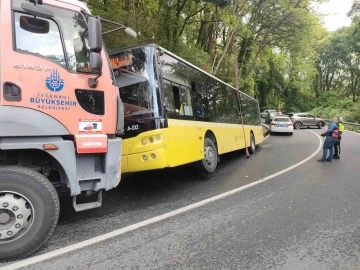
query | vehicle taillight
[273, 124]
[290, 124]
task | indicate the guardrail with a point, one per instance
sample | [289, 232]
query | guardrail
[348, 126]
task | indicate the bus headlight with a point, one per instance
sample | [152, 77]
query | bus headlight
[143, 141]
[151, 139]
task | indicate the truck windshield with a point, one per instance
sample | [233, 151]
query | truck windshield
[72, 26]
[135, 75]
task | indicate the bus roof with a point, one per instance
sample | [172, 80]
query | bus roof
[186, 62]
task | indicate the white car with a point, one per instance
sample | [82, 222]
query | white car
[281, 124]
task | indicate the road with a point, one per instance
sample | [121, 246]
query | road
[306, 217]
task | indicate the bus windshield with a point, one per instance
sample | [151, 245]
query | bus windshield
[135, 75]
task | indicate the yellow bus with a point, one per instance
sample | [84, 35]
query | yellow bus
[176, 113]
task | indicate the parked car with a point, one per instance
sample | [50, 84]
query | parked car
[281, 124]
[265, 113]
[306, 120]
[271, 116]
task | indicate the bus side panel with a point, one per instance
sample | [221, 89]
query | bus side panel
[182, 143]
[185, 146]
[185, 141]
[229, 137]
[258, 133]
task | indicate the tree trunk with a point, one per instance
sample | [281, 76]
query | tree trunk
[228, 41]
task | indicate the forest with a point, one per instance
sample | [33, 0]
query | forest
[277, 51]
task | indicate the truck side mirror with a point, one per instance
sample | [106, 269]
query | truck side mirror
[95, 35]
[34, 25]
[96, 62]
[166, 102]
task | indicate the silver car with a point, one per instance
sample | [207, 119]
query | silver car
[305, 120]
[266, 112]
[271, 116]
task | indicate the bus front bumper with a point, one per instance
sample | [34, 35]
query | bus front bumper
[150, 160]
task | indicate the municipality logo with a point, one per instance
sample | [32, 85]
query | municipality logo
[54, 83]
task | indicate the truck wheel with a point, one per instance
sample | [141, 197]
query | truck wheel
[29, 211]
[209, 163]
[252, 147]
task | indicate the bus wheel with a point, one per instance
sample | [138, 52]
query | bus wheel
[209, 163]
[29, 211]
[252, 147]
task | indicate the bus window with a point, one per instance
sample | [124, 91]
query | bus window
[169, 97]
[176, 95]
[177, 99]
[186, 108]
[199, 102]
[250, 111]
[174, 70]
[134, 74]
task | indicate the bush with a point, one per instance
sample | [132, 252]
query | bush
[332, 104]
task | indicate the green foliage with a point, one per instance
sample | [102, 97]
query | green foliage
[333, 104]
[283, 55]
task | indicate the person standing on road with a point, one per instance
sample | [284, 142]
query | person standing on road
[331, 137]
[337, 143]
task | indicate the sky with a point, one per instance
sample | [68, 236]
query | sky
[336, 11]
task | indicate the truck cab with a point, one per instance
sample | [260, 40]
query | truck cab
[60, 114]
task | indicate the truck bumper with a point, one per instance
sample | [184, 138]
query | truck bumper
[113, 163]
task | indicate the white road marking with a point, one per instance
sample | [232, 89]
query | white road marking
[348, 131]
[101, 238]
[352, 132]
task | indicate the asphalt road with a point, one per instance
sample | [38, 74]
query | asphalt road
[306, 218]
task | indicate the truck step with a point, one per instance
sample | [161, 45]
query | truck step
[87, 206]
[91, 176]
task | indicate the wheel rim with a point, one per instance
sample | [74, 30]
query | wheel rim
[298, 125]
[210, 155]
[320, 124]
[16, 216]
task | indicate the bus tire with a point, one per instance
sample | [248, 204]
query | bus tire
[209, 163]
[252, 147]
[29, 211]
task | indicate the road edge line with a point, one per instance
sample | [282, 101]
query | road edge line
[141, 224]
[357, 133]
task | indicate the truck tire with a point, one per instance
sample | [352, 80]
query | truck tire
[29, 211]
[209, 163]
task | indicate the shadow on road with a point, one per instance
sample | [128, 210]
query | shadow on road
[280, 134]
[136, 190]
